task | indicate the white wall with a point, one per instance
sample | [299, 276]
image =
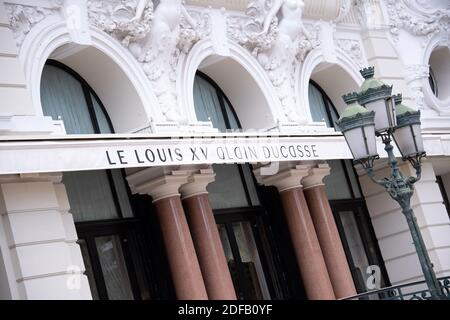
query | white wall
[392, 231]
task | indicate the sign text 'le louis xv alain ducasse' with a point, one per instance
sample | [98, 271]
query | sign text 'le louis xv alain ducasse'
[211, 153]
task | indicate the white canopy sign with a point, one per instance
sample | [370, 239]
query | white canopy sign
[112, 152]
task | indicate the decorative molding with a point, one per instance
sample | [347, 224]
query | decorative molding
[278, 42]
[416, 72]
[22, 18]
[370, 14]
[411, 17]
[238, 5]
[414, 76]
[326, 10]
[156, 37]
[353, 49]
[344, 10]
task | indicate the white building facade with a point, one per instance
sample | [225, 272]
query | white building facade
[136, 137]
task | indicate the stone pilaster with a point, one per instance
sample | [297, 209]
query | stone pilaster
[38, 240]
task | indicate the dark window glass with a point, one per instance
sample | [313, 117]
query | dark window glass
[321, 107]
[433, 83]
[442, 188]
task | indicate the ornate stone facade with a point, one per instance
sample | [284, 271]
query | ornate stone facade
[141, 57]
[278, 34]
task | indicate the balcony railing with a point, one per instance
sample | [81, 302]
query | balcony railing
[410, 291]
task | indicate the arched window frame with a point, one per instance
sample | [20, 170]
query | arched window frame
[222, 97]
[88, 92]
[329, 106]
[433, 83]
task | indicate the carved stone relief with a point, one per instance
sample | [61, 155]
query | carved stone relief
[274, 33]
[156, 37]
[353, 49]
[22, 18]
[418, 22]
[416, 76]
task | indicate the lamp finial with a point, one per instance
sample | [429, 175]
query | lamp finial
[368, 72]
[350, 98]
[398, 98]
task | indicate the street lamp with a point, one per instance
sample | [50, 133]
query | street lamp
[375, 112]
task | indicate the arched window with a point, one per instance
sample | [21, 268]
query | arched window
[346, 200]
[66, 96]
[99, 200]
[439, 73]
[211, 104]
[322, 109]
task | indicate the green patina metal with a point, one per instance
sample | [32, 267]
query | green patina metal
[405, 115]
[399, 187]
[372, 89]
[354, 115]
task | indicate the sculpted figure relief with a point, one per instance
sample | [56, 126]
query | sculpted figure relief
[290, 27]
[159, 51]
[125, 20]
[289, 43]
[165, 31]
[154, 36]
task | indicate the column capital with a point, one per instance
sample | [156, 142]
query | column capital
[159, 182]
[287, 179]
[316, 176]
[197, 183]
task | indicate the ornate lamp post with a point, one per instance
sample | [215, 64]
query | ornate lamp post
[381, 114]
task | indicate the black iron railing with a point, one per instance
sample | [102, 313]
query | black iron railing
[411, 291]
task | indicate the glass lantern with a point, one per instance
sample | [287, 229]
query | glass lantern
[376, 96]
[358, 126]
[407, 134]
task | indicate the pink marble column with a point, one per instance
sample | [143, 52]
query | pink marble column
[163, 185]
[301, 228]
[205, 234]
[327, 232]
